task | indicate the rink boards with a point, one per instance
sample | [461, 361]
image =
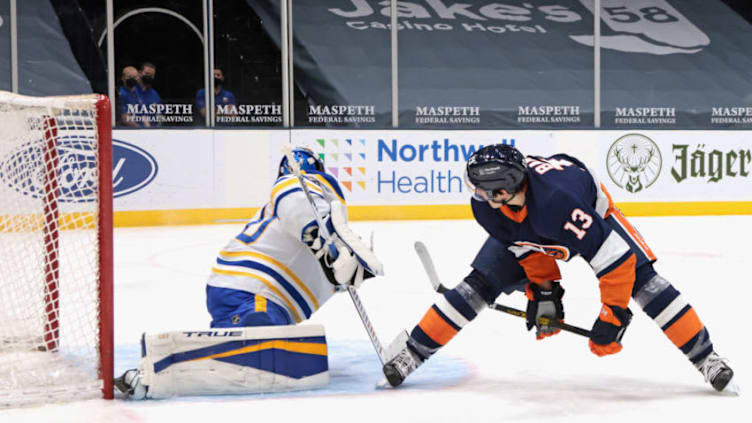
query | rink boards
[209, 176]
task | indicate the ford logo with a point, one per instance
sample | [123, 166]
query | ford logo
[132, 168]
[22, 170]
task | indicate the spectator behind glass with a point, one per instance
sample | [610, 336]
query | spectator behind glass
[131, 99]
[150, 95]
[222, 97]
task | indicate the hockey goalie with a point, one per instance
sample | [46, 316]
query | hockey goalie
[272, 276]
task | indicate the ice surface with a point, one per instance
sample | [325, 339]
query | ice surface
[492, 371]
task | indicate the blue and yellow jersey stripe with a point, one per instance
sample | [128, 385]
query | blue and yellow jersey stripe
[286, 270]
[268, 283]
[331, 183]
[255, 228]
[288, 185]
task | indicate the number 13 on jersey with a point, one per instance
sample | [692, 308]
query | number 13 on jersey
[579, 216]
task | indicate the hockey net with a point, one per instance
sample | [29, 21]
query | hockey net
[55, 249]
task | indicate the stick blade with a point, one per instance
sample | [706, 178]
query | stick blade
[425, 258]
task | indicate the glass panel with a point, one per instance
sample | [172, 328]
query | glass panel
[5, 83]
[247, 68]
[669, 65]
[487, 64]
[159, 60]
[342, 75]
[69, 62]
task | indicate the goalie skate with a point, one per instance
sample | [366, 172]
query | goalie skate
[718, 373]
[130, 384]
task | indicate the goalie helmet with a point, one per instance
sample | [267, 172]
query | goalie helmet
[493, 168]
[309, 162]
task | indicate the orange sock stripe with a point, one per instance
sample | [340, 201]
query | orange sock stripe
[684, 329]
[436, 328]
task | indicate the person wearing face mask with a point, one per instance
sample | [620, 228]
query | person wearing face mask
[130, 97]
[222, 98]
[149, 95]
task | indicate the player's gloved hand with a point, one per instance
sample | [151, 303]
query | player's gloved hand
[544, 302]
[608, 330]
[312, 239]
[337, 261]
[341, 266]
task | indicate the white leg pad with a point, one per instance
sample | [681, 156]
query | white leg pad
[234, 361]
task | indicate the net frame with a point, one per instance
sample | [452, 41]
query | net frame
[54, 221]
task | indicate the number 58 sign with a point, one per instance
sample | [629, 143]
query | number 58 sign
[655, 21]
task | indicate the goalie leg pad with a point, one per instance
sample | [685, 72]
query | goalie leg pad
[365, 256]
[234, 361]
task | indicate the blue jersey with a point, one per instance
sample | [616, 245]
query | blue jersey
[222, 98]
[135, 103]
[567, 212]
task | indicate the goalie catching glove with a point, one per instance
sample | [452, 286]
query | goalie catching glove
[344, 258]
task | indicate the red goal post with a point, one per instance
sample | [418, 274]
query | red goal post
[56, 307]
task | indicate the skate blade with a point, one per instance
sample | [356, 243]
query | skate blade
[384, 384]
[732, 388]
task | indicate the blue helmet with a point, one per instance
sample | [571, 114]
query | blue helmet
[496, 167]
[308, 161]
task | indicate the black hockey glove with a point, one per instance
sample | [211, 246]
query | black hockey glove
[608, 329]
[544, 303]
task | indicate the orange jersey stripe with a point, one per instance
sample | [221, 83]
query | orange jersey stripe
[517, 216]
[681, 331]
[618, 215]
[540, 268]
[436, 328]
[611, 206]
[616, 285]
[634, 234]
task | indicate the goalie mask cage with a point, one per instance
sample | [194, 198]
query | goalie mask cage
[56, 341]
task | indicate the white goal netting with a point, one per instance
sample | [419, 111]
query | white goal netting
[51, 295]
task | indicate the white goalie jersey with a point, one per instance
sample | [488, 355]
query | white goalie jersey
[269, 257]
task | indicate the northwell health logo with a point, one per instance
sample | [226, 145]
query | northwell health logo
[397, 166]
[345, 159]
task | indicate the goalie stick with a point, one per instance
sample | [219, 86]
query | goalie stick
[433, 277]
[324, 233]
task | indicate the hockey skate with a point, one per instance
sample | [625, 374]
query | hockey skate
[399, 367]
[130, 384]
[403, 362]
[717, 371]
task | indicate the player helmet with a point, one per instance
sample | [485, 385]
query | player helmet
[493, 168]
[309, 162]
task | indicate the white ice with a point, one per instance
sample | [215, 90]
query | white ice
[492, 371]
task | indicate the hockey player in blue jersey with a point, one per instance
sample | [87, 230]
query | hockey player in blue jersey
[275, 274]
[538, 210]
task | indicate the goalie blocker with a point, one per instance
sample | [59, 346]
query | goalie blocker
[229, 361]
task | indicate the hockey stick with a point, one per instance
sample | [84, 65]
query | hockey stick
[324, 233]
[425, 258]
